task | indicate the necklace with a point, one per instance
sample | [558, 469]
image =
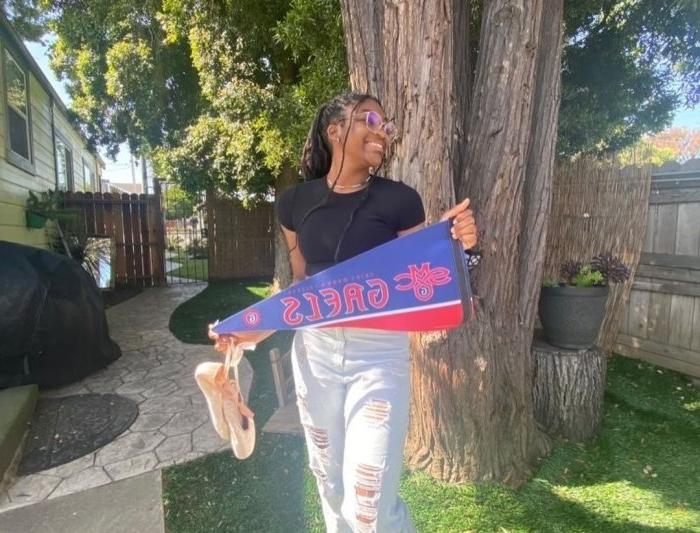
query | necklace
[356, 186]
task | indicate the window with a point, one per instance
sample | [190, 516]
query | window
[64, 164]
[17, 107]
[88, 177]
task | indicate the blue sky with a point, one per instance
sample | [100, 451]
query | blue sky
[120, 171]
[689, 118]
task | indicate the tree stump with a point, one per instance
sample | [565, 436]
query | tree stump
[568, 390]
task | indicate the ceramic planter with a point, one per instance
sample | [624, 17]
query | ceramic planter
[571, 316]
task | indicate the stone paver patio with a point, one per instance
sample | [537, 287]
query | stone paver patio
[157, 371]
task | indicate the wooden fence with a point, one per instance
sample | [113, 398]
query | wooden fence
[662, 319]
[597, 207]
[135, 223]
[240, 241]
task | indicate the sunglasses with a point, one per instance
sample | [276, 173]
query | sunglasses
[374, 123]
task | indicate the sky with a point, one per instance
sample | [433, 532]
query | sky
[688, 118]
[119, 171]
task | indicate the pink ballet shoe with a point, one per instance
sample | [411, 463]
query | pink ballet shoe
[206, 376]
[231, 417]
[239, 420]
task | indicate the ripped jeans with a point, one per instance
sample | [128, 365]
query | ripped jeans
[353, 388]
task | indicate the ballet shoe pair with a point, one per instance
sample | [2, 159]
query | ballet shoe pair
[231, 417]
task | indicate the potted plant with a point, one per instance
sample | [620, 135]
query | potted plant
[572, 308]
[41, 207]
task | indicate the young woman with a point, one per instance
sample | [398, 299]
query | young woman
[352, 384]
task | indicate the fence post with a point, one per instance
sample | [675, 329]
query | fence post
[158, 259]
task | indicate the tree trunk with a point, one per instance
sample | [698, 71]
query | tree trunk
[568, 390]
[472, 415]
[283, 270]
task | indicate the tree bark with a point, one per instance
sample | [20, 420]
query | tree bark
[414, 57]
[472, 415]
[283, 271]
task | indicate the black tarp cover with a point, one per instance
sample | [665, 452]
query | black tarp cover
[53, 328]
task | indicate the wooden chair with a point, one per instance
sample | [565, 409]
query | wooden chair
[286, 418]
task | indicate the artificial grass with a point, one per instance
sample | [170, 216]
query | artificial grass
[192, 269]
[219, 300]
[639, 475]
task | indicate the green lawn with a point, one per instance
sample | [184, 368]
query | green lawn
[219, 300]
[192, 269]
[640, 475]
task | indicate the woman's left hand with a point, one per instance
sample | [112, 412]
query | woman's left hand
[463, 226]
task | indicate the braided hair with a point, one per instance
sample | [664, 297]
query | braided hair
[317, 154]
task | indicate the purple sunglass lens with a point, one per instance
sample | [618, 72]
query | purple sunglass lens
[374, 120]
[375, 123]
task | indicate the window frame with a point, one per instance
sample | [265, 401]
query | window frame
[13, 157]
[70, 170]
[92, 185]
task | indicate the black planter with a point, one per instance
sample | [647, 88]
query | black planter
[571, 316]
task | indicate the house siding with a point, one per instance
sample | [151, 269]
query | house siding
[15, 182]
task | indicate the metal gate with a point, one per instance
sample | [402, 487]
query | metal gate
[186, 233]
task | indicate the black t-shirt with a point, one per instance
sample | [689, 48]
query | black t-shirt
[390, 206]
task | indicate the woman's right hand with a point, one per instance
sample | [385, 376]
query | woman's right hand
[224, 341]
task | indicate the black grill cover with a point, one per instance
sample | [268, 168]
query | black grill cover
[53, 327]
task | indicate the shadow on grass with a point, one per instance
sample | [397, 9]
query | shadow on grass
[220, 493]
[265, 492]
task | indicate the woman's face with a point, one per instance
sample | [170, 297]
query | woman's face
[364, 148]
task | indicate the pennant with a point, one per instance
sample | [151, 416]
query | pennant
[418, 282]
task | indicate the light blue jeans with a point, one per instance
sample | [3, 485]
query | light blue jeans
[353, 390]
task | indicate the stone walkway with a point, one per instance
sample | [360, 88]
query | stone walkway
[132, 505]
[157, 371]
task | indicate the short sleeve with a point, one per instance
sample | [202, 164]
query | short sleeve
[411, 212]
[285, 208]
